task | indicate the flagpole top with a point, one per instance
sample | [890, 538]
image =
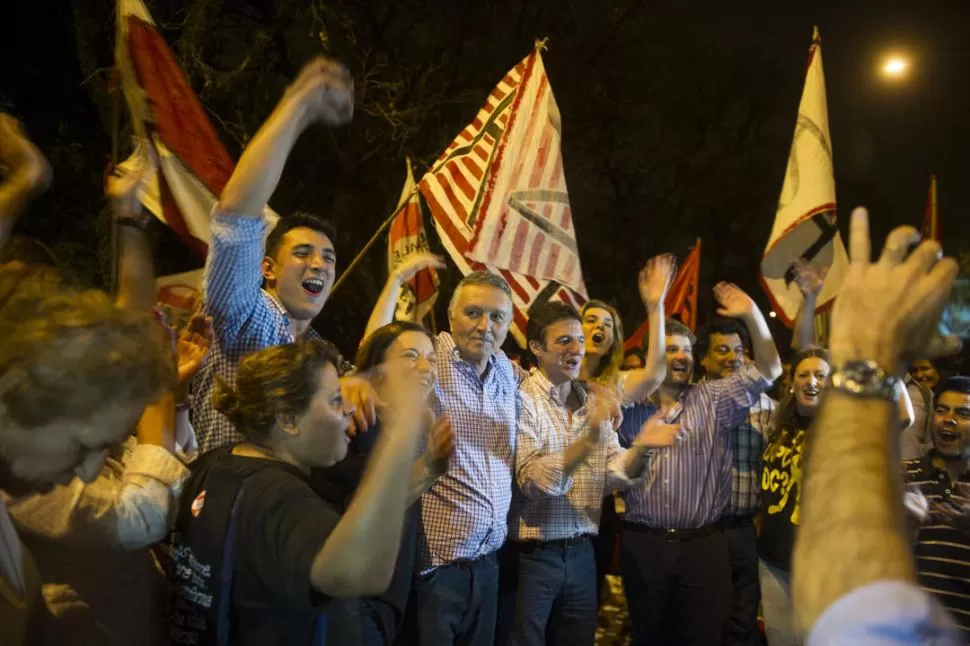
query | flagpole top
[540, 44]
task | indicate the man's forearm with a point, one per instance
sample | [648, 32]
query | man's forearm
[259, 170]
[763, 346]
[848, 535]
[634, 461]
[136, 269]
[358, 557]
[804, 335]
[641, 383]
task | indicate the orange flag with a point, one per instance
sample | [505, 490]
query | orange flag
[681, 300]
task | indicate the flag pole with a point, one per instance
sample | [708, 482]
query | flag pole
[370, 243]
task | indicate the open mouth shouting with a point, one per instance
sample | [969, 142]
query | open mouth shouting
[679, 370]
[312, 287]
[598, 337]
[948, 435]
[571, 364]
[811, 394]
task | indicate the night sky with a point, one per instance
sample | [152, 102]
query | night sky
[887, 137]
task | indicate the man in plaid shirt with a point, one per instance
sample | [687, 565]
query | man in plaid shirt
[567, 459]
[726, 353]
[465, 513]
[258, 299]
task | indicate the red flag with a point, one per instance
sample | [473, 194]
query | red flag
[192, 165]
[406, 237]
[931, 218]
[498, 196]
[681, 300]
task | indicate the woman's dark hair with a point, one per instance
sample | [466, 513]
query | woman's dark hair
[786, 421]
[371, 352]
[277, 382]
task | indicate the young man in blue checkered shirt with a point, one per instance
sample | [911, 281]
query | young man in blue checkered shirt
[260, 297]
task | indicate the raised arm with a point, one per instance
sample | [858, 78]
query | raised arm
[136, 267]
[359, 556]
[25, 174]
[735, 303]
[654, 281]
[809, 281]
[383, 312]
[851, 534]
[324, 91]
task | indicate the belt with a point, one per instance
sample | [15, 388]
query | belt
[560, 543]
[467, 563]
[728, 522]
[678, 535]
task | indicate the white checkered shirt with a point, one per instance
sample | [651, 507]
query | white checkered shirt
[245, 318]
[548, 506]
[465, 513]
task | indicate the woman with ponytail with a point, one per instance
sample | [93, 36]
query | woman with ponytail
[256, 553]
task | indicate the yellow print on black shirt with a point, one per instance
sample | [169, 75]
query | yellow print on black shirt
[783, 472]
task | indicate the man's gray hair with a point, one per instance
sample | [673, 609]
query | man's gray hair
[486, 278]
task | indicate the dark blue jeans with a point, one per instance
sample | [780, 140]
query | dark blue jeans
[457, 604]
[556, 600]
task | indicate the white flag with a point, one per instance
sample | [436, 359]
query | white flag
[805, 221]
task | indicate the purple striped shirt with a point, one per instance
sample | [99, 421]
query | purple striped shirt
[689, 485]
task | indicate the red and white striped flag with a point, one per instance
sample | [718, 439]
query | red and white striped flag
[192, 164]
[805, 221]
[498, 195]
[931, 217]
[406, 237]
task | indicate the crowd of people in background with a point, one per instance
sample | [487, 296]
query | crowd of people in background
[237, 481]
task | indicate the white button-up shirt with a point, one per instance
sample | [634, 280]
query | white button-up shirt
[549, 505]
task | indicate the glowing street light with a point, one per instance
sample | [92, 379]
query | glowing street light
[895, 67]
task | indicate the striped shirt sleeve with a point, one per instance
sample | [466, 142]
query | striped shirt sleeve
[233, 270]
[733, 396]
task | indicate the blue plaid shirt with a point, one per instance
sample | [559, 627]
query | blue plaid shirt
[245, 318]
[465, 512]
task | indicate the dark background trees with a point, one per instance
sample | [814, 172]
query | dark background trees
[677, 117]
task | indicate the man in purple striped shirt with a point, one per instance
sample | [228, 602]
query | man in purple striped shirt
[676, 568]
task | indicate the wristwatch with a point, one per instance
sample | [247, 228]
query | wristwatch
[865, 379]
[140, 220]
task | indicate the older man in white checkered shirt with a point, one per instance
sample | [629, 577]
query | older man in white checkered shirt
[567, 459]
[465, 513]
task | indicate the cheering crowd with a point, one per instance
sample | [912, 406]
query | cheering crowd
[236, 481]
